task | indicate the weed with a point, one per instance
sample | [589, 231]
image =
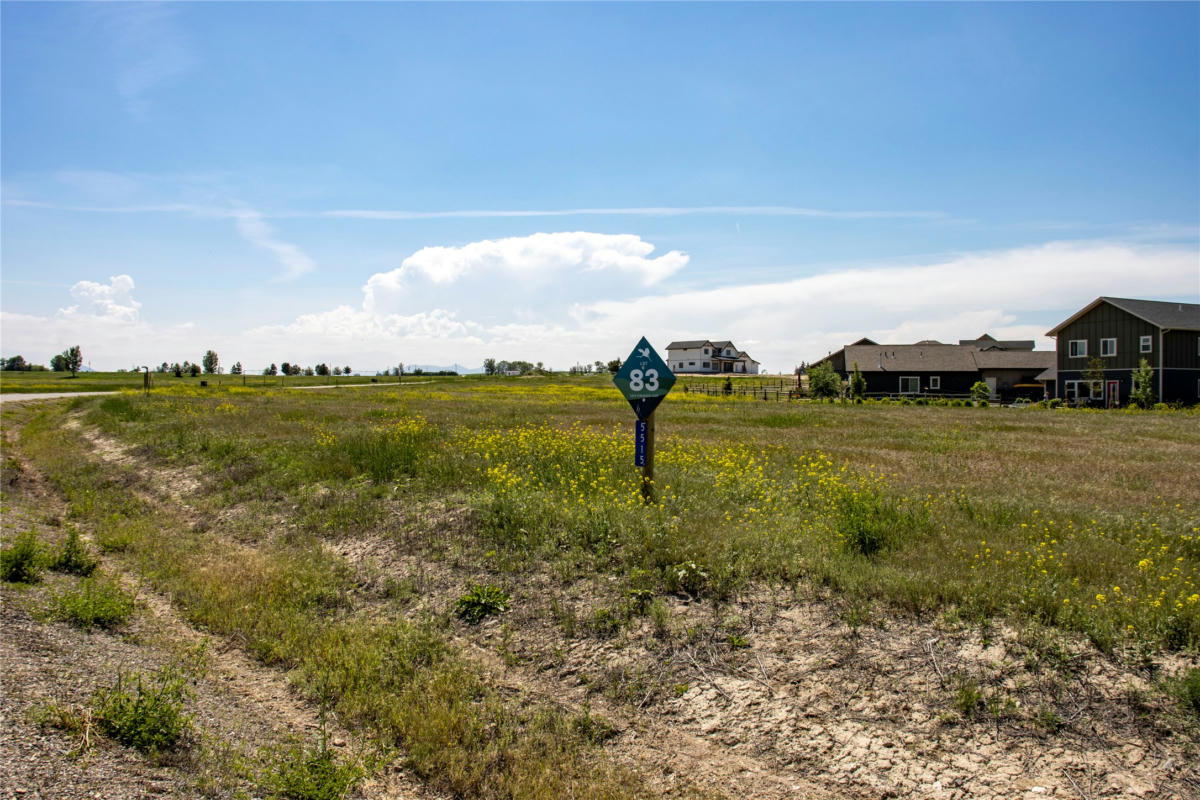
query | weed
[564, 617]
[296, 773]
[480, 602]
[660, 616]
[145, 712]
[73, 557]
[1048, 720]
[591, 728]
[98, 601]
[968, 698]
[1186, 688]
[22, 561]
[604, 623]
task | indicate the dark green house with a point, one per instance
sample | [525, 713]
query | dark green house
[1111, 336]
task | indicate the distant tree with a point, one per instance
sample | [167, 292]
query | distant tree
[858, 384]
[599, 365]
[322, 369]
[614, 366]
[59, 363]
[1142, 394]
[981, 392]
[489, 366]
[177, 368]
[1094, 374]
[164, 367]
[823, 382]
[194, 370]
[285, 368]
[74, 358]
[337, 370]
[307, 370]
[236, 369]
[345, 370]
[211, 362]
[15, 364]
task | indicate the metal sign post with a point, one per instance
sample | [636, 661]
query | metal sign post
[644, 379]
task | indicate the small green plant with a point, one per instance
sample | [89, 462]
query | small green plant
[736, 641]
[1048, 720]
[968, 698]
[73, 557]
[660, 616]
[145, 712]
[687, 578]
[480, 602]
[22, 562]
[604, 623]
[313, 774]
[1187, 690]
[98, 601]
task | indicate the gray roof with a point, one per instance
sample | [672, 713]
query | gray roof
[688, 345]
[942, 358]
[1160, 313]
[1015, 359]
[910, 358]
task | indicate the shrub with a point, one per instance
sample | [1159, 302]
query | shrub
[145, 713]
[98, 602]
[981, 392]
[73, 557]
[299, 774]
[1187, 690]
[22, 562]
[480, 602]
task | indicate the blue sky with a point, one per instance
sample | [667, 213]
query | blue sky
[439, 183]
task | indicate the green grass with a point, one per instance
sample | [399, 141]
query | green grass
[1077, 521]
[97, 602]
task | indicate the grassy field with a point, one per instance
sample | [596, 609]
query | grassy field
[1077, 521]
[111, 381]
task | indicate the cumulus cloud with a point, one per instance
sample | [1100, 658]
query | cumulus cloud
[113, 303]
[528, 257]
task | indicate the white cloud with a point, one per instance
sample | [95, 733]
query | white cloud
[528, 257]
[112, 303]
[1019, 294]
[295, 261]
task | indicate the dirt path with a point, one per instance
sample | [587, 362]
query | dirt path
[32, 397]
[239, 706]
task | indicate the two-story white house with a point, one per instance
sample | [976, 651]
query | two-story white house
[704, 356]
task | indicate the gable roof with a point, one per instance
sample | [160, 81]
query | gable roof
[689, 345]
[1159, 313]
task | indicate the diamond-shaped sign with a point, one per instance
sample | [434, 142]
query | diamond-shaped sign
[644, 379]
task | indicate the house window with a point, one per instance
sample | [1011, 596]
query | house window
[910, 384]
[1078, 348]
[1080, 390]
[1147, 344]
[706, 351]
[691, 363]
[707, 365]
[1108, 347]
[935, 382]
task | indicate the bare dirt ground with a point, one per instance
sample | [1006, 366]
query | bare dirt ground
[785, 694]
